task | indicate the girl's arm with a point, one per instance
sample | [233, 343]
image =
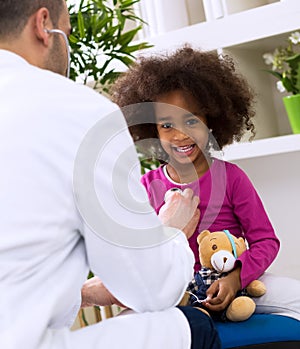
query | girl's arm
[258, 231]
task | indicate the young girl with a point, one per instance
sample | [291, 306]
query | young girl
[197, 103]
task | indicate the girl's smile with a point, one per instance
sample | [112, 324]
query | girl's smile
[185, 150]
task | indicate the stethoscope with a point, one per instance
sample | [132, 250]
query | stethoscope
[170, 192]
[58, 31]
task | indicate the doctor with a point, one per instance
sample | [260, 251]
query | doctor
[70, 201]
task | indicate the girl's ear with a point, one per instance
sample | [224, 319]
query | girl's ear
[42, 22]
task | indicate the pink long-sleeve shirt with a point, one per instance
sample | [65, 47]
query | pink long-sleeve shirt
[228, 200]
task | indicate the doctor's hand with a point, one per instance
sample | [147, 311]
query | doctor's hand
[180, 211]
[93, 292]
[190, 228]
[223, 291]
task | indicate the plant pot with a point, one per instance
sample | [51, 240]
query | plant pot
[292, 106]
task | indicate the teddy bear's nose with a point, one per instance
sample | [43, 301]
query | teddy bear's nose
[225, 260]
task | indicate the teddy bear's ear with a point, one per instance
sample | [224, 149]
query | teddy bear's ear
[202, 235]
[240, 245]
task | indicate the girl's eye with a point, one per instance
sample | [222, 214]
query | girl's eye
[166, 125]
[192, 122]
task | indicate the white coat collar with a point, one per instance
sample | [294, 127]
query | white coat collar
[10, 57]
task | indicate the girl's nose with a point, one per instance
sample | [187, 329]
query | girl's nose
[179, 134]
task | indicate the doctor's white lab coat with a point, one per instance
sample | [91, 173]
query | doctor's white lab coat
[49, 235]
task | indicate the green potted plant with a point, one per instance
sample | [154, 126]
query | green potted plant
[285, 63]
[101, 42]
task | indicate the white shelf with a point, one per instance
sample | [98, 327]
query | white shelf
[262, 147]
[235, 29]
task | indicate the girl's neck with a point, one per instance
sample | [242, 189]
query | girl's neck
[187, 173]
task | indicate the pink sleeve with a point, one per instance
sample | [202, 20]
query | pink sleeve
[257, 228]
[145, 182]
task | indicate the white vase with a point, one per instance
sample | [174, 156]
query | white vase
[163, 15]
[234, 6]
[213, 9]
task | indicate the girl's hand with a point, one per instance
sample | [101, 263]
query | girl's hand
[93, 292]
[223, 291]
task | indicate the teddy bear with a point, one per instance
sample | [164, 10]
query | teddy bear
[218, 252]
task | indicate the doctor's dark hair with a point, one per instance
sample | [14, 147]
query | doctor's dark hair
[14, 14]
[223, 95]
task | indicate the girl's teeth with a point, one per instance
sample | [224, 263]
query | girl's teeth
[184, 149]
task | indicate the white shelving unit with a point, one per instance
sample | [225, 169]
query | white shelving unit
[272, 161]
[263, 147]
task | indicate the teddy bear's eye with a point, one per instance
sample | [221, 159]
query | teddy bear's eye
[214, 247]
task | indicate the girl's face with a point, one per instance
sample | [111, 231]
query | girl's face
[181, 127]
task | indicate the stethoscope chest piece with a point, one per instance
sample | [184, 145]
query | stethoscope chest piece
[170, 192]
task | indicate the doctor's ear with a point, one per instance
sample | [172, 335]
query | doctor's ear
[41, 20]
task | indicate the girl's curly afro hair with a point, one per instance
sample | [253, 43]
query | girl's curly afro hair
[224, 96]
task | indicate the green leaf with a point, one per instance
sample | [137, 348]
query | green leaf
[133, 48]
[274, 73]
[287, 83]
[126, 60]
[127, 37]
[128, 4]
[293, 60]
[110, 77]
[73, 39]
[80, 22]
[297, 80]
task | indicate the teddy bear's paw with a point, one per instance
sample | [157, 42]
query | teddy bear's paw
[240, 309]
[256, 288]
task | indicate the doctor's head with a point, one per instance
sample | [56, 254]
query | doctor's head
[36, 30]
